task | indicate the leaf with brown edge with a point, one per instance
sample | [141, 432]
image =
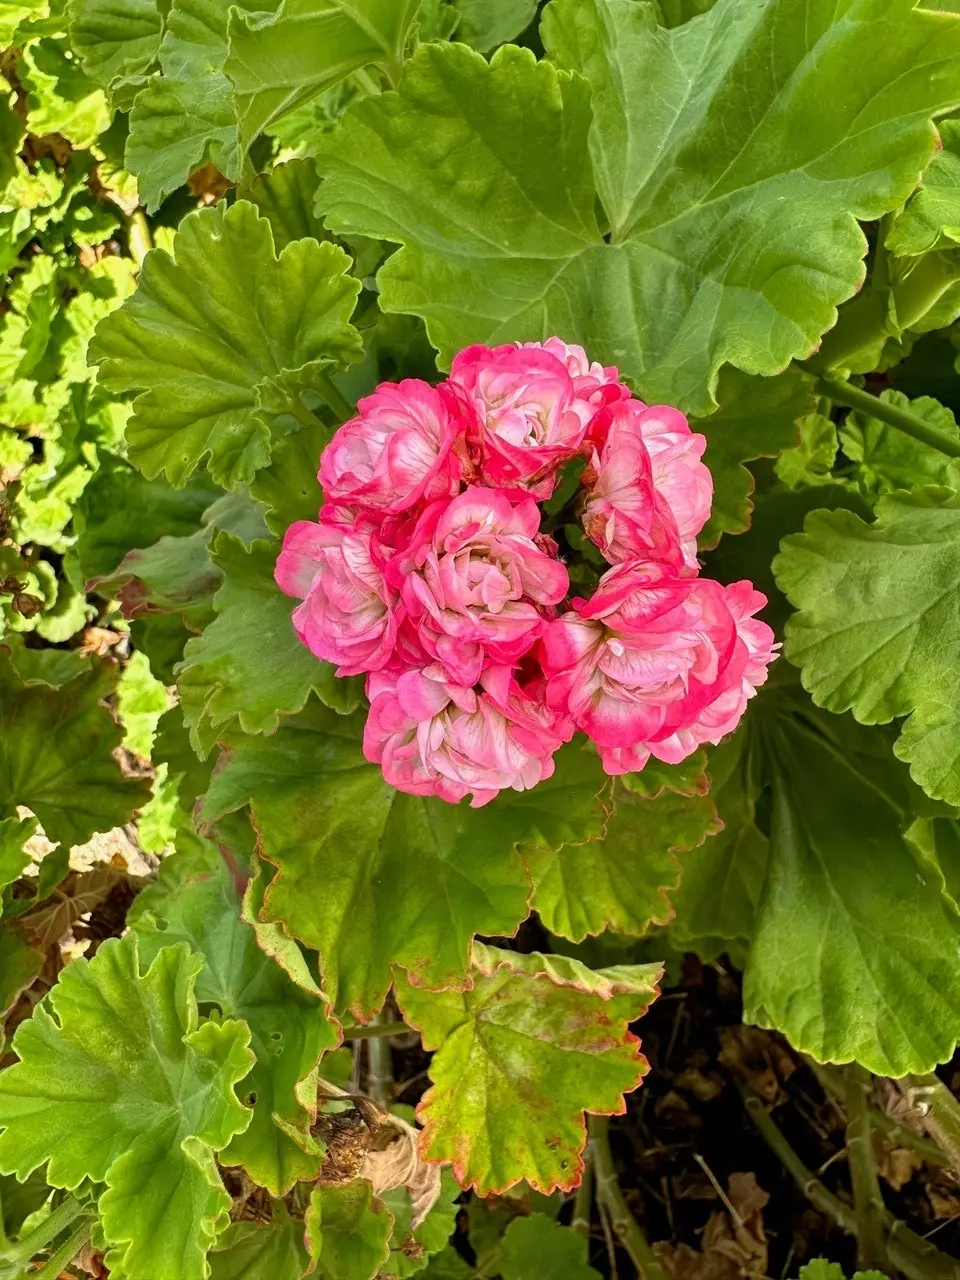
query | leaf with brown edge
[621, 881]
[518, 1057]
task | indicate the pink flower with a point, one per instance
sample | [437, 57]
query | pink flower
[683, 482]
[623, 512]
[655, 664]
[435, 738]
[477, 579]
[348, 614]
[530, 418]
[648, 492]
[405, 446]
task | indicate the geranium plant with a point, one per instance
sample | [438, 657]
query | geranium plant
[478, 518]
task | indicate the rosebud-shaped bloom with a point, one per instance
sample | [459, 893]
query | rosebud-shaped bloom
[655, 664]
[648, 493]
[594, 384]
[406, 445]
[683, 482]
[531, 420]
[475, 580]
[434, 738]
[623, 512]
[336, 569]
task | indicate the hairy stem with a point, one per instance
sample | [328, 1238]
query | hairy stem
[340, 405]
[868, 1203]
[903, 1249]
[583, 1201]
[854, 398]
[624, 1224]
[940, 1111]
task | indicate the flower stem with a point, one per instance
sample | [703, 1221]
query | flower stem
[53, 1267]
[867, 1198]
[380, 1066]
[854, 398]
[22, 1251]
[903, 1249]
[340, 405]
[371, 1030]
[625, 1226]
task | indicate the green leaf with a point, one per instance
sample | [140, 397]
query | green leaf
[11, 137]
[620, 878]
[56, 756]
[757, 418]
[117, 41]
[716, 902]
[14, 860]
[519, 1056]
[730, 241]
[61, 98]
[176, 574]
[289, 487]
[854, 954]
[249, 664]
[367, 876]
[890, 460]
[822, 1270]
[486, 23]
[196, 901]
[141, 701]
[186, 117]
[211, 329]
[120, 511]
[878, 623]
[811, 462]
[117, 1083]
[278, 62]
[931, 217]
[285, 197]
[20, 964]
[261, 1250]
[352, 1228]
[448, 1265]
[409, 1249]
[537, 1248]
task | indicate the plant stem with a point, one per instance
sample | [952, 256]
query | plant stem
[139, 239]
[583, 1201]
[625, 1226]
[899, 1134]
[338, 403]
[380, 1066]
[903, 1249]
[854, 398]
[867, 1198]
[371, 1030]
[940, 1111]
[56, 1221]
[55, 1264]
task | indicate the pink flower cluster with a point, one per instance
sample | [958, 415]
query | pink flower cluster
[428, 571]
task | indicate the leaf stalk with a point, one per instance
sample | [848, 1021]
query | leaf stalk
[625, 1226]
[901, 419]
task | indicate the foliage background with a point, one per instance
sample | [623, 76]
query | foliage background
[218, 228]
